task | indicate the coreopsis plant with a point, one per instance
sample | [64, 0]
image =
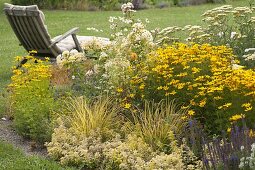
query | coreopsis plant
[32, 98]
[201, 77]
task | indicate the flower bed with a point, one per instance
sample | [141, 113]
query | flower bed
[141, 101]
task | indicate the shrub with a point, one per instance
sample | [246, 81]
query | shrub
[32, 99]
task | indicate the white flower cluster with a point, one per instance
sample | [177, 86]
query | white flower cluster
[135, 154]
[115, 70]
[128, 7]
[69, 57]
[139, 34]
[94, 29]
[72, 148]
[248, 161]
[96, 43]
[249, 57]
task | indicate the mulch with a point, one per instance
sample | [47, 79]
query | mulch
[9, 135]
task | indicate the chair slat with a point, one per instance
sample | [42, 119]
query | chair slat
[23, 31]
[42, 32]
[10, 19]
[31, 31]
[24, 41]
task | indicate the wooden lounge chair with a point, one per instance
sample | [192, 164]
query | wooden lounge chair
[28, 24]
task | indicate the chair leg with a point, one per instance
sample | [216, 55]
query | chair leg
[77, 44]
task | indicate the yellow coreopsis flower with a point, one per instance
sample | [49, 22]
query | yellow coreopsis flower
[191, 112]
[127, 105]
[202, 103]
[237, 117]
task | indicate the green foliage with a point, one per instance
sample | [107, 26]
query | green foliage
[32, 99]
[71, 4]
[13, 159]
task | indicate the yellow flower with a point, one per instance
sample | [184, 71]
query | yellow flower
[229, 130]
[202, 103]
[184, 107]
[173, 92]
[237, 117]
[247, 107]
[191, 112]
[132, 95]
[119, 90]
[141, 87]
[127, 105]
[47, 59]
[133, 56]
[184, 117]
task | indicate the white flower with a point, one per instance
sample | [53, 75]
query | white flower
[73, 77]
[236, 67]
[65, 54]
[242, 148]
[89, 73]
[233, 35]
[127, 7]
[249, 49]
[73, 52]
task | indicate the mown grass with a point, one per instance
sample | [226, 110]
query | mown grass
[60, 21]
[14, 159]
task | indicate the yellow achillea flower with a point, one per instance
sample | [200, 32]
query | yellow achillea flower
[236, 117]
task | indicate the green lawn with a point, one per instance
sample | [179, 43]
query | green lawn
[61, 21]
[13, 159]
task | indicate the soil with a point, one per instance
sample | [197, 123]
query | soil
[9, 135]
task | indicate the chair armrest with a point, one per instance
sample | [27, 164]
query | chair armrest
[68, 33]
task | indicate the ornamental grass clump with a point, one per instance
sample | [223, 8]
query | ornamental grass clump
[32, 99]
[158, 124]
[82, 129]
[86, 117]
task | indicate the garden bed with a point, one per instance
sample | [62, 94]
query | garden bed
[147, 99]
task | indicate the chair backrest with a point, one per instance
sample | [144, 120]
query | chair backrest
[28, 24]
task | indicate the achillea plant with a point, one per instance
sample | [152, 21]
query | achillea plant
[226, 25]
